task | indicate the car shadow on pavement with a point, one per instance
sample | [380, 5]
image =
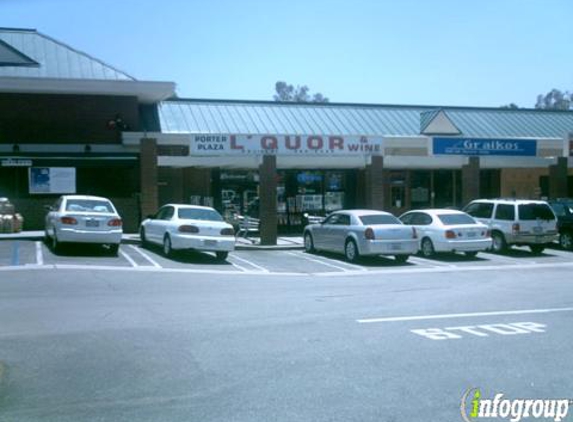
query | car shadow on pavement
[368, 261]
[188, 256]
[82, 250]
[454, 257]
[523, 253]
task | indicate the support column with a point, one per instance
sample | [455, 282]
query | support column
[268, 200]
[470, 180]
[148, 176]
[558, 179]
[375, 183]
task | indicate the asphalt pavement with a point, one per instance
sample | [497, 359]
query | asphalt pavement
[281, 335]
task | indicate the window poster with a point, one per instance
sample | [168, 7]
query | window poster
[52, 180]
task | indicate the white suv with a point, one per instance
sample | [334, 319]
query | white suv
[516, 222]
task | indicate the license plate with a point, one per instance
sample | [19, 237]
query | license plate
[210, 242]
[471, 234]
[537, 230]
[92, 223]
[395, 246]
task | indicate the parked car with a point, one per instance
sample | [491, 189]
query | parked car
[563, 209]
[516, 222]
[447, 230]
[179, 226]
[83, 219]
[356, 233]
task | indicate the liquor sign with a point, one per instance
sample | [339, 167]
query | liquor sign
[473, 146]
[52, 180]
[307, 145]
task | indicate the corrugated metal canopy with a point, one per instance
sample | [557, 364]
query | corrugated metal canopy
[264, 117]
[56, 60]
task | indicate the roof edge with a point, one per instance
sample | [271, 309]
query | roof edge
[367, 105]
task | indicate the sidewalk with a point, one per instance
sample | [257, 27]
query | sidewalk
[252, 243]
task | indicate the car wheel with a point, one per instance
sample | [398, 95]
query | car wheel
[498, 242]
[222, 255]
[471, 254]
[401, 258]
[114, 249]
[566, 240]
[142, 237]
[308, 243]
[537, 249]
[167, 247]
[351, 251]
[427, 248]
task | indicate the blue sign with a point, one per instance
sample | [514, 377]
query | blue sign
[477, 146]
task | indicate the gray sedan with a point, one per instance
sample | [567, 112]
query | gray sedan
[356, 233]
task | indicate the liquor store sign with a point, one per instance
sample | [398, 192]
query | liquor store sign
[307, 145]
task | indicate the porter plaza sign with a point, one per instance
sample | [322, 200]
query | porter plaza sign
[218, 145]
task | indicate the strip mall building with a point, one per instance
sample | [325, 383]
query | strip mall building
[70, 123]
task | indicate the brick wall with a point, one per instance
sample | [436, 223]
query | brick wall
[35, 118]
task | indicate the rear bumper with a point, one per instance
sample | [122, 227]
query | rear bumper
[531, 239]
[203, 243]
[85, 236]
[389, 247]
[463, 245]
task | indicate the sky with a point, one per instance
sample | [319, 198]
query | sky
[485, 53]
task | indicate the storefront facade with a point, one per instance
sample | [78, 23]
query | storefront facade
[91, 129]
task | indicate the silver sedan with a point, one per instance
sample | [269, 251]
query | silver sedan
[356, 233]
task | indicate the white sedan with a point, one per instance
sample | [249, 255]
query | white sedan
[178, 226]
[362, 232]
[444, 230]
[83, 219]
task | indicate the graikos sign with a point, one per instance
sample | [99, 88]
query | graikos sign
[467, 146]
[218, 145]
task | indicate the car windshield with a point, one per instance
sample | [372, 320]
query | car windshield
[535, 211]
[453, 219]
[199, 214]
[374, 219]
[88, 205]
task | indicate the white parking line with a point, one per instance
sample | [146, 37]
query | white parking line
[431, 262]
[504, 258]
[346, 270]
[39, 254]
[325, 259]
[465, 315]
[243, 269]
[560, 253]
[252, 264]
[148, 258]
[129, 259]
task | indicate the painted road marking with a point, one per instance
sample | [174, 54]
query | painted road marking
[15, 254]
[466, 315]
[252, 264]
[320, 262]
[128, 258]
[144, 255]
[431, 262]
[483, 330]
[39, 254]
[504, 258]
[324, 259]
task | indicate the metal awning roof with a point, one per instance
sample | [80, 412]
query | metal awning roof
[265, 117]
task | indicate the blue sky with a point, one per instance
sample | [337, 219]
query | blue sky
[439, 52]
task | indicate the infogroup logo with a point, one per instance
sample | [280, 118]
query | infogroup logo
[474, 407]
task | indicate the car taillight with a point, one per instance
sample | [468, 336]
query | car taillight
[515, 227]
[369, 234]
[115, 222]
[450, 234]
[228, 232]
[414, 233]
[188, 229]
[69, 220]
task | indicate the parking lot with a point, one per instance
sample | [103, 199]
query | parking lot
[34, 254]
